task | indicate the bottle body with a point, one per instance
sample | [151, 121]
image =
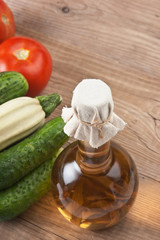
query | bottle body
[94, 190]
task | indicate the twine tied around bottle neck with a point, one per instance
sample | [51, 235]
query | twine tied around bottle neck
[97, 124]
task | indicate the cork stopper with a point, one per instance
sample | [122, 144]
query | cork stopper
[91, 117]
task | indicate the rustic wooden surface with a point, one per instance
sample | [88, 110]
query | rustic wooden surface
[118, 42]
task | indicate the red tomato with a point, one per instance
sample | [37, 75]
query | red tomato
[7, 26]
[30, 58]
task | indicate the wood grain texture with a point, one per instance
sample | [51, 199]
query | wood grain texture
[118, 42]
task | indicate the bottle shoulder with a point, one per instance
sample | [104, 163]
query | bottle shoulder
[122, 167]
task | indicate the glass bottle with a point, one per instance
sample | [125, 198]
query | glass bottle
[94, 182]
[94, 188]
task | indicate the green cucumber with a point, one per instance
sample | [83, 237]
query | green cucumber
[21, 158]
[16, 199]
[12, 85]
[49, 102]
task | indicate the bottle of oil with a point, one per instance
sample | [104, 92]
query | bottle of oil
[94, 187]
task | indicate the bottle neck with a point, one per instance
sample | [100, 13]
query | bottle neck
[93, 160]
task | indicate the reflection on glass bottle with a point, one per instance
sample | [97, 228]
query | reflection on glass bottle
[94, 188]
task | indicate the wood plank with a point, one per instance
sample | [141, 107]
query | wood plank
[118, 42]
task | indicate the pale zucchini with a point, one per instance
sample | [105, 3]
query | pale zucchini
[18, 118]
[21, 116]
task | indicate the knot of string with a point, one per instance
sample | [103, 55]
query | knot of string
[97, 125]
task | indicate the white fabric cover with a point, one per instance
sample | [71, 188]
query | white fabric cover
[92, 103]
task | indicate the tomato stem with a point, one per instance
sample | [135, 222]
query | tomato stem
[5, 20]
[21, 54]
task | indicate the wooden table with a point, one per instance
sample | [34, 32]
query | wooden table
[118, 42]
